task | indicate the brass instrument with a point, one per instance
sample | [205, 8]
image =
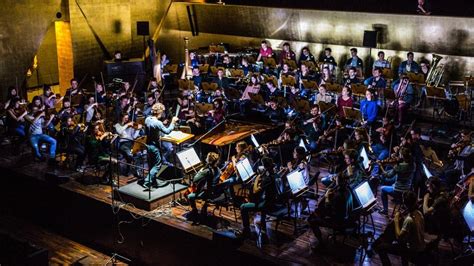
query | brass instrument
[436, 72]
[186, 73]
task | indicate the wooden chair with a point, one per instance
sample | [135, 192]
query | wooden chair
[209, 87]
[237, 73]
[172, 69]
[204, 68]
[291, 63]
[310, 84]
[270, 62]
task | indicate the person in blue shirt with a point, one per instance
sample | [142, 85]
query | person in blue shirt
[376, 81]
[409, 65]
[154, 130]
[354, 61]
[369, 108]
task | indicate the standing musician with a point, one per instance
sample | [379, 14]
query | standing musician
[205, 182]
[334, 210]
[154, 130]
[263, 195]
[408, 233]
[128, 131]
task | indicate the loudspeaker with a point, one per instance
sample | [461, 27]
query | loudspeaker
[370, 39]
[143, 28]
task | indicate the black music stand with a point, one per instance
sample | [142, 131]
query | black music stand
[438, 95]
[352, 114]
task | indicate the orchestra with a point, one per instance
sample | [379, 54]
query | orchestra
[318, 119]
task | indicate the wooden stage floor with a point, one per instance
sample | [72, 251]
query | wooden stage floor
[283, 248]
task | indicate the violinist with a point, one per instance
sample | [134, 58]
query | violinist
[121, 107]
[299, 163]
[263, 196]
[352, 169]
[12, 94]
[100, 93]
[150, 101]
[73, 92]
[313, 127]
[37, 103]
[97, 149]
[386, 129]
[436, 207]
[205, 182]
[73, 138]
[345, 100]
[36, 136]
[154, 130]
[398, 180]
[90, 109]
[229, 176]
[408, 233]
[128, 131]
[16, 118]
[334, 210]
[454, 170]
[48, 98]
[66, 111]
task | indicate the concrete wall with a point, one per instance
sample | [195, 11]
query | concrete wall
[23, 26]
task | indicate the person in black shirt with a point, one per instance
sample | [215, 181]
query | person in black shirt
[263, 195]
[205, 183]
[274, 112]
[327, 58]
[306, 55]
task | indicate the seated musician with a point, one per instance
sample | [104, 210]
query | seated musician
[73, 137]
[299, 163]
[76, 91]
[227, 62]
[11, 94]
[37, 103]
[100, 92]
[270, 91]
[398, 180]
[352, 169]
[354, 61]
[127, 132]
[313, 127]
[15, 120]
[424, 69]
[222, 81]
[36, 136]
[323, 96]
[66, 111]
[326, 76]
[380, 152]
[304, 74]
[286, 54]
[285, 71]
[263, 196]
[97, 149]
[217, 114]
[306, 55]
[205, 181]
[89, 109]
[369, 108]
[453, 172]
[253, 87]
[265, 51]
[381, 63]
[274, 112]
[150, 101]
[121, 107]
[408, 65]
[351, 78]
[328, 59]
[404, 94]
[345, 100]
[193, 60]
[436, 207]
[408, 233]
[334, 211]
[246, 66]
[48, 97]
[376, 81]
[430, 155]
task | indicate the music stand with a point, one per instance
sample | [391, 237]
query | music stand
[189, 159]
[358, 90]
[203, 108]
[256, 98]
[185, 84]
[209, 87]
[333, 87]
[352, 113]
[269, 62]
[310, 65]
[236, 73]
[302, 106]
[288, 80]
[296, 182]
[291, 63]
[367, 203]
[437, 94]
[204, 68]
[245, 171]
[328, 108]
[310, 84]
[232, 94]
[416, 78]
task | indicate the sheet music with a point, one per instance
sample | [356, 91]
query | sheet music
[365, 157]
[427, 171]
[254, 141]
[364, 194]
[468, 214]
[296, 181]
[188, 158]
[178, 135]
[244, 168]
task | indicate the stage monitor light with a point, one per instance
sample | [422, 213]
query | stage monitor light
[468, 214]
[427, 172]
[301, 144]
[296, 181]
[254, 141]
[364, 195]
[244, 169]
[188, 158]
[365, 157]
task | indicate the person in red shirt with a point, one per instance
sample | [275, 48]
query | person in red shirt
[344, 100]
[265, 51]
[286, 54]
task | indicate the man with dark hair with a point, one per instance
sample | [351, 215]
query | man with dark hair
[306, 56]
[265, 51]
[355, 60]
[286, 54]
[408, 65]
[327, 58]
[381, 62]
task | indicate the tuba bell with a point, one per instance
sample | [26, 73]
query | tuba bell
[436, 71]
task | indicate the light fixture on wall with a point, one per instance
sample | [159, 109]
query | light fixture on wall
[220, 3]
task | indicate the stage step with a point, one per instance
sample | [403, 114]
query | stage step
[137, 195]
